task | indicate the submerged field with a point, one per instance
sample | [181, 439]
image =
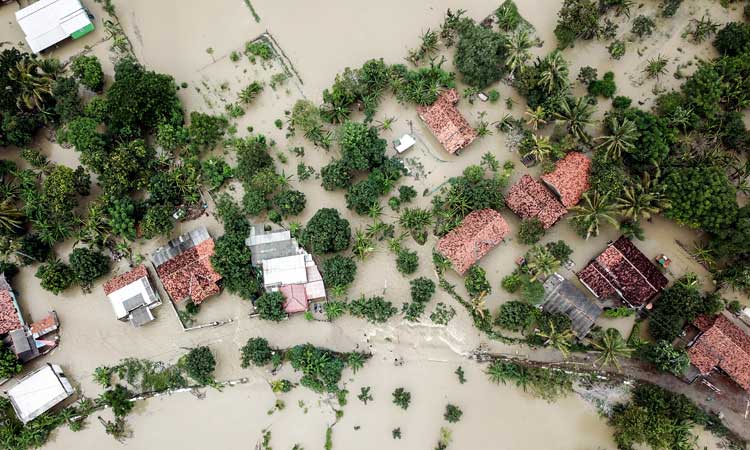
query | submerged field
[192, 41]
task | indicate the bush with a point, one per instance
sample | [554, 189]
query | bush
[621, 102]
[422, 289]
[407, 261]
[122, 218]
[256, 351]
[452, 413]
[578, 19]
[402, 398]
[559, 250]
[339, 271]
[476, 282]
[270, 306]
[616, 49]
[517, 316]
[605, 87]
[33, 249]
[232, 260]
[361, 148]
[335, 175]
[511, 283]
[533, 292]
[55, 276]
[326, 232]
[666, 358]
[290, 202]
[374, 309]
[215, 171]
[9, 363]
[254, 202]
[643, 26]
[199, 364]
[733, 39]
[88, 265]
[530, 231]
[89, 71]
[157, 221]
[67, 102]
[252, 157]
[118, 398]
[321, 368]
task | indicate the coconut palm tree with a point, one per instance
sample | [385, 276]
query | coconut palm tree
[593, 209]
[636, 203]
[577, 116]
[415, 220]
[540, 147]
[35, 84]
[541, 262]
[612, 347]
[536, 117]
[517, 47]
[622, 138]
[10, 216]
[558, 339]
[554, 76]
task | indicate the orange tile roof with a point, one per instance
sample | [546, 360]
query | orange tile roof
[528, 198]
[726, 346]
[479, 232]
[9, 319]
[125, 279]
[447, 124]
[570, 179]
[190, 274]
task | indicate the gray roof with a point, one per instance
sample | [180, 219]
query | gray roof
[562, 296]
[179, 245]
[133, 302]
[141, 316]
[24, 345]
[266, 245]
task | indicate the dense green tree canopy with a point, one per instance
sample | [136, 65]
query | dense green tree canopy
[480, 54]
[701, 197]
[326, 232]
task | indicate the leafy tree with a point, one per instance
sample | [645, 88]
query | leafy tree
[608, 175]
[407, 261]
[363, 195]
[89, 70]
[452, 413]
[666, 357]
[733, 39]
[67, 103]
[205, 130]
[252, 156]
[33, 249]
[270, 306]
[530, 231]
[326, 232]
[476, 282]
[374, 309]
[321, 369]
[88, 265]
[703, 91]
[677, 305]
[402, 398]
[289, 202]
[55, 276]
[559, 250]
[157, 221]
[361, 148]
[480, 55]
[9, 363]
[232, 260]
[336, 175]
[122, 218]
[517, 316]
[605, 87]
[422, 289]
[118, 398]
[701, 197]
[254, 202]
[339, 271]
[199, 363]
[578, 19]
[533, 292]
[256, 351]
[512, 283]
[215, 171]
[653, 139]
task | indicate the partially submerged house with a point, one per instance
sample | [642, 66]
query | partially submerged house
[47, 22]
[722, 346]
[479, 232]
[563, 297]
[570, 179]
[28, 341]
[446, 122]
[39, 391]
[132, 296]
[529, 199]
[184, 267]
[622, 270]
[286, 267]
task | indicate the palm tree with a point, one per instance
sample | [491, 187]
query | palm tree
[554, 76]
[415, 220]
[540, 148]
[478, 304]
[589, 214]
[612, 347]
[517, 48]
[576, 117]
[536, 117]
[622, 138]
[541, 262]
[558, 339]
[35, 84]
[10, 216]
[636, 202]
[363, 245]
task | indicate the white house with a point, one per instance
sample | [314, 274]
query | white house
[47, 22]
[132, 296]
[39, 391]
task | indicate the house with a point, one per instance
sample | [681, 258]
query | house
[47, 22]
[405, 143]
[529, 199]
[39, 391]
[479, 232]
[10, 313]
[286, 267]
[447, 124]
[132, 296]
[570, 179]
[724, 346]
[184, 267]
[563, 297]
[624, 271]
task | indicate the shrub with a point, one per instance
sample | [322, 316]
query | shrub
[289, 202]
[361, 148]
[530, 231]
[578, 19]
[339, 271]
[406, 193]
[621, 102]
[88, 265]
[666, 357]
[9, 363]
[733, 39]
[616, 49]
[374, 309]
[517, 316]
[335, 175]
[643, 26]
[452, 413]
[476, 282]
[270, 306]
[232, 260]
[157, 221]
[199, 364]
[559, 250]
[533, 292]
[256, 351]
[55, 276]
[118, 398]
[512, 283]
[321, 368]
[88, 69]
[407, 261]
[122, 218]
[442, 314]
[402, 398]
[326, 232]
[605, 87]
[422, 289]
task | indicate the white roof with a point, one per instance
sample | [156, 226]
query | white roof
[405, 143]
[122, 299]
[47, 22]
[267, 238]
[286, 270]
[39, 391]
[745, 315]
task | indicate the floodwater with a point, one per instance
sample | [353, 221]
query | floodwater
[192, 41]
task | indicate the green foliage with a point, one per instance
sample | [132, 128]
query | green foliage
[605, 87]
[476, 282]
[374, 309]
[452, 413]
[361, 148]
[251, 92]
[122, 218]
[270, 306]
[559, 250]
[460, 374]
[533, 292]
[88, 265]
[608, 175]
[512, 283]
[335, 309]
[118, 398]
[205, 130]
[733, 39]
[701, 197]
[616, 49]
[421, 86]
[704, 91]
[677, 305]
[339, 271]
[422, 289]
[252, 157]
[407, 261]
[666, 357]
[258, 49]
[231, 259]
[643, 26]
[401, 398]
[199, 363]
[256, 351]
[289, 202]
[548, 384]
[442, 314]
[89, 70]
[215, 171]
[578, 19]
[9, 363]
[55, 276]
[67, 102]
[321, 369]
[615, 313]
[336, 175]
[530, 231]
[326, 232]
[517, 316]
[480, 55]
[364, 394]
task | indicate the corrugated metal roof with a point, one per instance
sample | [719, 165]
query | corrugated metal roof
[39, 391]
[47, 22]
[562, 296]
[179, 245]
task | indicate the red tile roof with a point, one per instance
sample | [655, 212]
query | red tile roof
[726, 346]
[622, 268]
[530, 199]
[479, 232]
[190, 274]
[570, 179]
[447, 124]
[125, 279]
[9, 315]
[45, 325]
[296, 298]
